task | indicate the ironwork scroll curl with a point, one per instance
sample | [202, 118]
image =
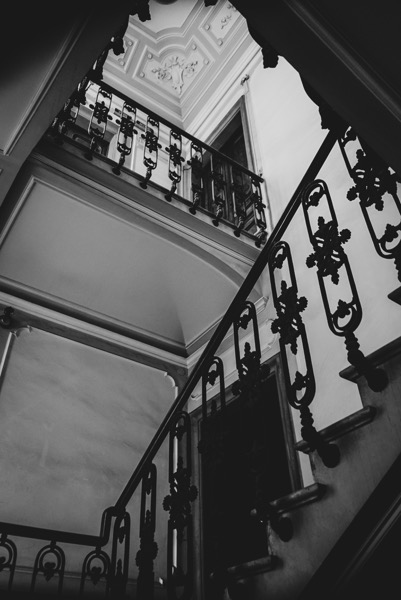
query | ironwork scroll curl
[374, 185]
[151, 148]
[175, 160]
[250, 372]
[301, 387]
[50, 562]
[8, 560]
[96, 567]
[99, 119]
[125, 135]
[331, 259]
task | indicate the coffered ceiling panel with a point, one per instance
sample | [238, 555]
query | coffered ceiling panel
[173, 60]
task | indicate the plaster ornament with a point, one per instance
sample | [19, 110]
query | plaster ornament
[174, 69]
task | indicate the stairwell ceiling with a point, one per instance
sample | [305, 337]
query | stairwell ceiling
[178, 57]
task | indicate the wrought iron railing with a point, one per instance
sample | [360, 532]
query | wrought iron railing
[172, 446]
[138, 140]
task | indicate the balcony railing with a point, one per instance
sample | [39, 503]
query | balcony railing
[312, 209]
[137, 140]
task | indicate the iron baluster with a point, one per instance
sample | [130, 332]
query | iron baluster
[148, 548]
[250, 371]
[240, 190]
[50, 562]
[196, 162]
[178, 504]
[120, 556]
[219, 183]
[151, 149]
[330, 259]
[174, 162]
[212, 447]
[373, 183]
[99, 119]
[8, 561]
[300, 387]
[258, 213]
[67, 117]
[96, 567]
[125, 135]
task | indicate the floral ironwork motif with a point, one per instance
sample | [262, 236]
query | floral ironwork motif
[374, 184]
[301, 387]
[250, 372]
[328, 253]
[174, 161]
[125, 134]
[151, 148]
[99, 119]
[331, 260]
[182, 493]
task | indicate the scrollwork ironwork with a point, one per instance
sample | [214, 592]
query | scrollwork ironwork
[178, 504]
[125, 135]
[258, 213]
[330, 259]
[8, 561]
[96, 567]
[99, 119]
[196, 163]
[50, 562]
[218, 188]
[301, 387]
[374, 183]
[120, 555]
[175, 160]
[151, 148]
[250, 372]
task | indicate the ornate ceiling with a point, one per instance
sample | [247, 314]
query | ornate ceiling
[183, 51]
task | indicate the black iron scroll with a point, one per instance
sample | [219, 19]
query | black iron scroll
[178, 504]
[259, 213]
[330, 259]
[125, 136]
[374, 184]
[250, 371]
[8, 558]
[175, 160]
[219, 185]
[196, 163]
[151, 148]
[120, 556]
[148, 548]
[301, 387]
[49, 562]
[99, 119]
[96, 568]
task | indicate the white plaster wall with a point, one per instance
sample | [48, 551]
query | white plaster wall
[74, 422]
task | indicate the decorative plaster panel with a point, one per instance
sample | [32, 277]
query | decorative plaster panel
[176, 71]
[220, 24]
